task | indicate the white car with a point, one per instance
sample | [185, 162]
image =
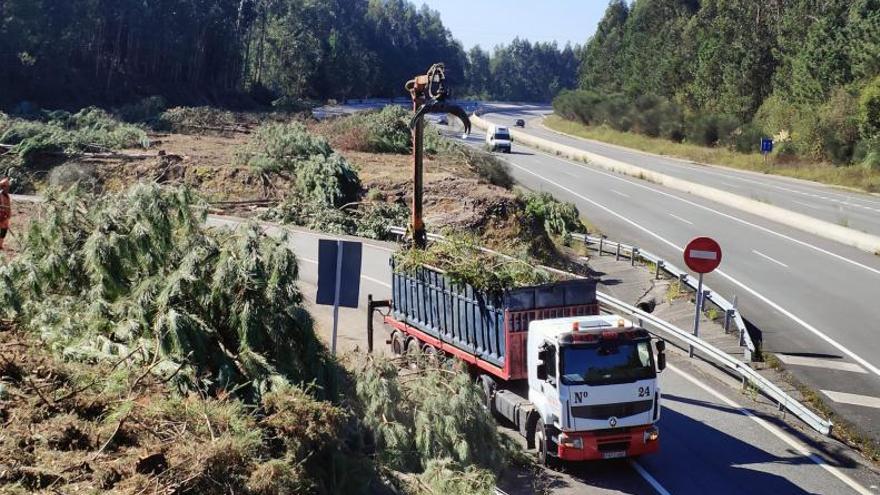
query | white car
[498, 138]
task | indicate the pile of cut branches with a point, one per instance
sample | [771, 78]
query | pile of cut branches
[61, 133]
[464, 262]
[138, 272]
[321, 174]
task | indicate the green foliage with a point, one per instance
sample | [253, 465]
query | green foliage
[191, 119]
[140, 269]
[461, 259]
[729, 69]
[433, 415]
[869, 112]
[558, 218]
[321, 174]
[445, 476]
[89, 130]
[369, 220]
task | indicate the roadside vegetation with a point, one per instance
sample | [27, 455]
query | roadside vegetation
[659, 79]
[856, 176]
[142, 348]
[62, 133]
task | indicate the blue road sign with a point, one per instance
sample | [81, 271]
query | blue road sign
[344, 270]
[766, 145]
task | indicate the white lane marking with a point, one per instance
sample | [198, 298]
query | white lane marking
[706, 208]
[647, 476]
[853, 399]
[680, 219]
[615, 191]
[776, 431]
[831, 364]
[739, 284]
[759, 253]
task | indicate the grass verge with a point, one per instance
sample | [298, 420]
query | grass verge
[848, 176]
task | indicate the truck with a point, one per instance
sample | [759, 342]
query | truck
[577, 384]
[498, 138]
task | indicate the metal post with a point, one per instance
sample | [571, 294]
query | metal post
[728, 315]
[697, 313]
[601, 242]
[370, 323]
[659, 266]
[418, 137]
[336, 294]
[617, 255]
[635, 254]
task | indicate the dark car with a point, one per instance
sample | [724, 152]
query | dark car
[520, 123]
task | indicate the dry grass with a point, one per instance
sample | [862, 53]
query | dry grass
[849, 176]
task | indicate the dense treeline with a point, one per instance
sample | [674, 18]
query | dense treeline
[711, 71]
[522, 71]
[77, 52]
[64, 53]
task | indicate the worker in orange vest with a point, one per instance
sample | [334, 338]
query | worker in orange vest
[5, 209]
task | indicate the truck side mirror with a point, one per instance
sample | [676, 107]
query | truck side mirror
[541, 372]
[661, 354]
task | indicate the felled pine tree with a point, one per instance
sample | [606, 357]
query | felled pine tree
[138, 272]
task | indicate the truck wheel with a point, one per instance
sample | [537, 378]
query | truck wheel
[487, 384]
[397, 343]
[432, 355]
[414, 353]
[542, 443]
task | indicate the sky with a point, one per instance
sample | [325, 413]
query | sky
[492, 22]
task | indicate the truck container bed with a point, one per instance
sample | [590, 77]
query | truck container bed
[485, 329]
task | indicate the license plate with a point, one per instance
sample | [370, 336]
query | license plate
[614, 455]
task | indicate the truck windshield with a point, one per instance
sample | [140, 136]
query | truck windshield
[607, 362]
[502, 135]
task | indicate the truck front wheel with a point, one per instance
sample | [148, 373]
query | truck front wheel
[541, 443]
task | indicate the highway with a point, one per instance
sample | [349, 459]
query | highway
[812, 300]
[709, 443]
[841, 206]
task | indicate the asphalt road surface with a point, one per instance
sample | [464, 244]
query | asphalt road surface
[813, 301]
[710, 444]
[851, 209]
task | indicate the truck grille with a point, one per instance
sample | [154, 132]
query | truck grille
[618, 410]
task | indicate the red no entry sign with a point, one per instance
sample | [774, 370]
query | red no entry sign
[702, 255]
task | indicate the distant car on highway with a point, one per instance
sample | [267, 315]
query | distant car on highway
[520, 123]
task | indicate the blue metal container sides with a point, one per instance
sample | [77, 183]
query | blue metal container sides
[472, 320]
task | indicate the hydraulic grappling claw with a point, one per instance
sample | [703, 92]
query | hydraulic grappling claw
[429, 93]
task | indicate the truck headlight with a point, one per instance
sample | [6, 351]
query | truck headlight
[571, 442]
[652, 434]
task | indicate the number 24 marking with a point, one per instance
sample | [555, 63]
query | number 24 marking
[644, 391]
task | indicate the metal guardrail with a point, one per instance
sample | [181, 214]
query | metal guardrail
[731, 315]
[748, 375]
[706, 350]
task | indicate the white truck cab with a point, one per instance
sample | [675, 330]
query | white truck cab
[593, 383]
[498, 138]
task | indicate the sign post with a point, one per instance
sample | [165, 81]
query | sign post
[701, 255]
[339, 277]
